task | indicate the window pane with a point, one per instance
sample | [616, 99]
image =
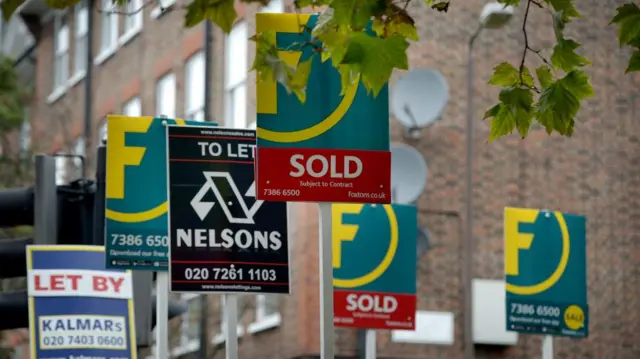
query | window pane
[271, 304]
[81, 19]
[25, 136]
[61, 170]
[195, 83]
[166, 96]
[193, 318]
[80, 54]
[238, 107]
[62, 39]
[276, 6]
[236, 55]
[133, 108]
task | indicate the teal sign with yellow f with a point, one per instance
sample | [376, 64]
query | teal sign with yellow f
[546, 272]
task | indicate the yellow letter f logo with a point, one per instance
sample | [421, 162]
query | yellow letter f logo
[341, 231]
[514, 240]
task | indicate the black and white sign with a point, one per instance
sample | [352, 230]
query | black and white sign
[222, 238]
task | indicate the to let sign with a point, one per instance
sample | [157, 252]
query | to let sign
[546, 272]
[222, 238]
[332, 148]
[374, 266]
[77, 308]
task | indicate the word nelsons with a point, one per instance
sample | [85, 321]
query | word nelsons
[206, 238]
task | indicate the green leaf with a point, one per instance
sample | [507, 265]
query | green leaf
[515, 111]
[504, 74]
[442, 6]
[513, 3]
[565, 58]
[545, 78]
[304, 3]
[59, 4]
[220, 12]
[375, 58]
[396, 22]
[559, 103]
[566, 6]
[634, 63]
[577, 82]
[526, 78]
[558, 25]
[356, 13]
[8, 7]
[625, 11]
[299, 79]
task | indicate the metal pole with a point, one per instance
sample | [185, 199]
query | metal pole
[326, 283]
[45, 210]
[231, 325]
[99, 201]
[88, 83]
[371, 344]
[162, 310]
[547, 347]
[468, 244]
[204, 303]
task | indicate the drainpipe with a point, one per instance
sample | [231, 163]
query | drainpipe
[88, 83]
[208, 73]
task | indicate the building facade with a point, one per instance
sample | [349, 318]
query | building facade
[147, 63]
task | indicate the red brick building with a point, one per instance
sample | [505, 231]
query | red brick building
[148, 63]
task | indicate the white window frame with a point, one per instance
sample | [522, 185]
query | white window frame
[107, 49]
[233, 62]
[80, 150]
[61, 170]
[133, 18]
[163, 7]
[195, 88]
[103, 130]
[81, 16]
[263, 321]
[166, 83]
[221, 337]
[133, 107]
[60, 31]
[25, 136]
[186, 345]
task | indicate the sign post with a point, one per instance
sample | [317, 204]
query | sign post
[77, 308]
[546, 274]
[136, 234]
[332, 148]
[222, 238]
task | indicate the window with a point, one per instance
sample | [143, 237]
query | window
[236, 76]
[103, 130]
[61, 53]
[132, 20]
[162, 7]
[25, 137]
[61, 170]
[133, 108]
[166, 96]
[82, 27]
[267, 313]
[108, 28]
[220, 338]
[275, 6]
[79, 150]
[194, 85]
[190, 326]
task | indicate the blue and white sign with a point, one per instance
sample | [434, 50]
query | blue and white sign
[77, 308]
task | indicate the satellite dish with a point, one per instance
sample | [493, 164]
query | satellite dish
[418, 99]
[424, 241]
[408, 173]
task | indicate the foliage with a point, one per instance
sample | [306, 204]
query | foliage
[13, 97]
[552, 97]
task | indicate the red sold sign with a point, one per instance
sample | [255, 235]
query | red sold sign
[324, 175]
[374, 310]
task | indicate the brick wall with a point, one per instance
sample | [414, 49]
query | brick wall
[595, 173]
